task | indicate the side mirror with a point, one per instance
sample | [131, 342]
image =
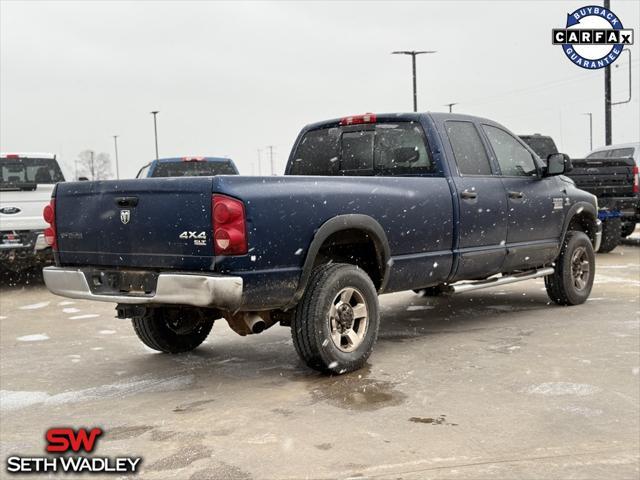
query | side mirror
[405, 155]
[83, 179]
[558, 163]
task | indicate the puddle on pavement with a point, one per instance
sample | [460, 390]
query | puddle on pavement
[355, 391]
[439, 420]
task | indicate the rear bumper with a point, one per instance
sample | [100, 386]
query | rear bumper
[223, 292]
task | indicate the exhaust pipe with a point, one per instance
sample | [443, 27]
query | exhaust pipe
[255, 323]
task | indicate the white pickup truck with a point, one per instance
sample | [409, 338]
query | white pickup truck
[26, 183]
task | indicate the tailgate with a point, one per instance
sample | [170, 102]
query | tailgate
[607, 177]
[145, 223]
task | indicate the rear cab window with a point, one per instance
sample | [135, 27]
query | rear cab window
[193, 169]
[383, 148]
[17, 172]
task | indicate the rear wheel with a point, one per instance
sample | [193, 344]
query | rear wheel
[611, 234]
[336, 322]
[575, 270]
[627, 229]
[172, 330]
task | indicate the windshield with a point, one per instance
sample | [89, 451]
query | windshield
[24, 171]
[193, 169]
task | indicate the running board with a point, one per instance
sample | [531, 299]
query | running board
[494, 282]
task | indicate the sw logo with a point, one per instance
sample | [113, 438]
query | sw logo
[593, 37]
[63, 440]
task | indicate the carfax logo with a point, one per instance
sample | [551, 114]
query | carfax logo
[68, 444]
[593, 37]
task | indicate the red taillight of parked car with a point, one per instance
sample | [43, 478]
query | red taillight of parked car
[636, 180]
[229, 230]
[49, 214]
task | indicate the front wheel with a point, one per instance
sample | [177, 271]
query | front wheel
[336, 323]
[575, 270]
[627, 229]
[172, 330]
[611, 234]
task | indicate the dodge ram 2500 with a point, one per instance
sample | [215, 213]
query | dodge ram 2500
[438, 203]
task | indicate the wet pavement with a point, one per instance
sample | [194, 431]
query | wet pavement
[494, 383]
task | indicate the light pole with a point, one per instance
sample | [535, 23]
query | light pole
[155, 130]
[450, 105]
[413, 54]
[590, 130]
[259, 163]
[115, 142]
[270, 147]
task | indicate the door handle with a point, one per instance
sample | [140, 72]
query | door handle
[468, 195]
[516, 195]
[126, 201]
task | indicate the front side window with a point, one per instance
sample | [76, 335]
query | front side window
[382, 149]
[468, 149]
[513, 158]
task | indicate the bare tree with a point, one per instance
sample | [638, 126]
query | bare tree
[94, 166]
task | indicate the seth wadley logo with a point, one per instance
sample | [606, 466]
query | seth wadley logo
[593, 37]
[68, 443]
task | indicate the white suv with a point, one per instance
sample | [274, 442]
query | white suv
[26, 183]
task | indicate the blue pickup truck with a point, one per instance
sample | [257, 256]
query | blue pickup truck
[370, 204]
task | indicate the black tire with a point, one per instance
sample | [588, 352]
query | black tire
[172, 330]
[611, 235]
[627, 229]
[436, 291]
[562, 286]
[312, 326]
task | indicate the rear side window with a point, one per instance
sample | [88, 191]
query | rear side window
[381, 149]
[513, 158]
[468, 149]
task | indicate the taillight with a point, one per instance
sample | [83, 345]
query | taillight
[193, 159]
[229, 231]
[49, 214]
[358, 119]
[636, 181]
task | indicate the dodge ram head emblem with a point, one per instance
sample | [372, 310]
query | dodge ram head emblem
[125, 216]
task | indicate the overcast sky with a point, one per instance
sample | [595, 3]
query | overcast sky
[231, 78]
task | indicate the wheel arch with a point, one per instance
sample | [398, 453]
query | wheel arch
[581, 216]
[364, 225]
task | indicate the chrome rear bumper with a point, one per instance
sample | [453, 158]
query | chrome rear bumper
[224, 292]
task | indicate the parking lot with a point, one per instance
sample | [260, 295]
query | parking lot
[495, 383]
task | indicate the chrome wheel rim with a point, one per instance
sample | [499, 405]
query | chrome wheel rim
[348, 319]
[580, 268]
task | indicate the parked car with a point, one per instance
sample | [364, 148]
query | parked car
[188, 167]
[26, 183]
[610, 173]
[628, 205]
[368, 205]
